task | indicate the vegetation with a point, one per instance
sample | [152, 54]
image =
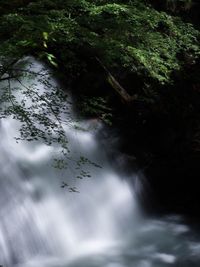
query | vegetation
[129, 62]
[110, 30]
[132, 40]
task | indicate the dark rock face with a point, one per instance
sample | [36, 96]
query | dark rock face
[166, 144]
[172, 171]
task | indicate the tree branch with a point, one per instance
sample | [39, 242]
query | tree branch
[116, 85]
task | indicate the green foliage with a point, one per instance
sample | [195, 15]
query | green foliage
[130, 36]
[98, 107]
[33, 99]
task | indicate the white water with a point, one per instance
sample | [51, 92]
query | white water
[44, 225]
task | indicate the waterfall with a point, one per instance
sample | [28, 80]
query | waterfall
[100, 224]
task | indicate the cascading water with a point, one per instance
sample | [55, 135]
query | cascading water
[42, 224]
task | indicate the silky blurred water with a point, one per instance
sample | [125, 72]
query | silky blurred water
[99, 225]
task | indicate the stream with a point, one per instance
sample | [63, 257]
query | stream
[100, 224]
